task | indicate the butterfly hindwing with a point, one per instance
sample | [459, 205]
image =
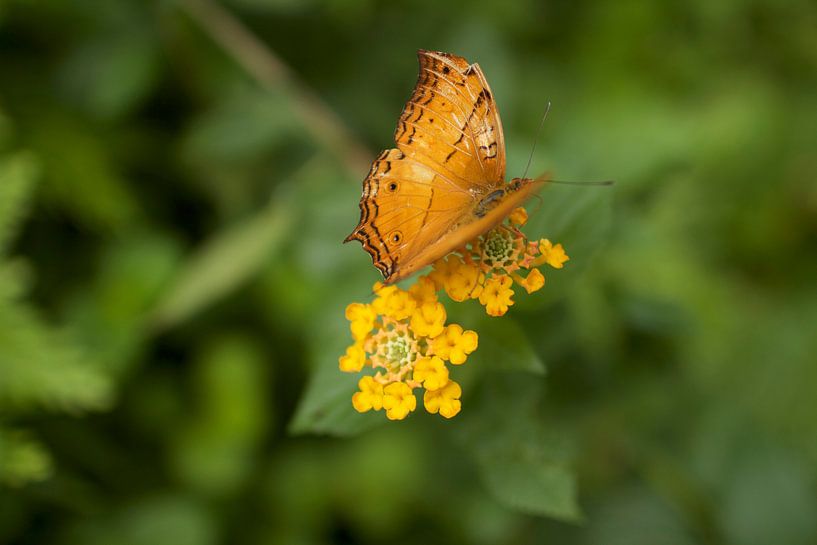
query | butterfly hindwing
[400, 197]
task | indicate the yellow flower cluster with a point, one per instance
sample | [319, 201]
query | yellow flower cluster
[487, 267]
[403, 337]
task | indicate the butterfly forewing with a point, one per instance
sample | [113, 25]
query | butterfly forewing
[451, 122]
[450, 152]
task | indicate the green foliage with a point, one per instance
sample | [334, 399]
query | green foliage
[22, 459]
[213, 450]
[173, 194]
[223, 264]
[519, 455]
[41, 367]
[18, 173]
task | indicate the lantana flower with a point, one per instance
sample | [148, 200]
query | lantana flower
[401, 337]
[487, 267]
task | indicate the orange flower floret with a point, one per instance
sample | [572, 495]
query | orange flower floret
[443, 269]
[554, 256]
[445, 400]
[518, 217]
[463, 281]
[423, 291]
[496, 297]
[454, 344]
[398, 304]
[370, 395]
[354, 359]
[533, 282]
[398, 400]
[431, 372]
[428, 320]
[361, 319]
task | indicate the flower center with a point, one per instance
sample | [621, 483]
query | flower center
[398, 349]
[497, 248]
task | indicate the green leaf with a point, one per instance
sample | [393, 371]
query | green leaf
[636, 516]
[246, 124]
[522, 462]
[577, 217]
[212, 451]
[749, 518]
[166, 519]
[326, 405]
[503, 346]
[80, 175]
[45, 367]
[18, 173]
[223, 263]
[42, 366]
[109, 316]
[109, 74]
[22, 459]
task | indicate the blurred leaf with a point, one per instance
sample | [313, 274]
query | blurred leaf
[110, 315]
[247, 140]
[273, 6]
[522, 462]
[6, 129]
[763, 491]
[245, 124]
[160, 520]
[22, 459]
[393, 461]
[213, 452]
[577, 217]
[637, 136]
[40, 366]
[503, 346]
[770, 500]
[44, 367]
[80, 175]
[224, 262]
[18, 173]
[326, 404]
[637, 517]
[109, 74]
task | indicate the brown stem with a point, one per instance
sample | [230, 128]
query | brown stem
[267, 68]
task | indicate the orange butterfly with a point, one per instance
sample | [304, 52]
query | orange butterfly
[444, 184]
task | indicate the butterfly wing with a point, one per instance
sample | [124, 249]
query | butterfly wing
[451, 121]
[450, 151]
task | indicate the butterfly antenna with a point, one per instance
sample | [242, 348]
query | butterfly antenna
[536, 138]
[547, 180]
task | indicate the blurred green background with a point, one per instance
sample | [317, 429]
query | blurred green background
[175, 181]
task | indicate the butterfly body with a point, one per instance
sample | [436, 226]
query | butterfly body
[444, 184]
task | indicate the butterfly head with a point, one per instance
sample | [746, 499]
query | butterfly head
[518, 183]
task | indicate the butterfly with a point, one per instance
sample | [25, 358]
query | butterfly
[444, 184]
